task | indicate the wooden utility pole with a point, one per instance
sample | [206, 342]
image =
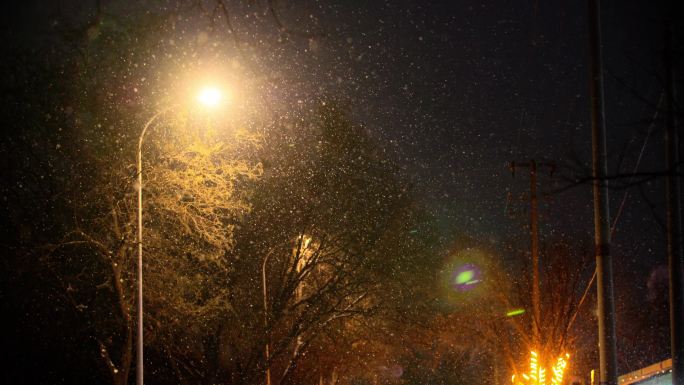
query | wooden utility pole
[674, 244]
[604, 268]
[534, 244]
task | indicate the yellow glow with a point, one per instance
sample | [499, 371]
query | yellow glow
[537, 373]
[210, 96]
[559, 370]
[534, 368]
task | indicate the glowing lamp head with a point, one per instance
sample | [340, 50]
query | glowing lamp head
[210, 96]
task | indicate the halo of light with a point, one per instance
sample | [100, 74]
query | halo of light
[210, 96]
[465, 279]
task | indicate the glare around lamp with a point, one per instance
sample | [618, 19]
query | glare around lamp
[210, 96]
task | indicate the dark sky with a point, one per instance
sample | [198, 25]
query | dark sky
[460, 89]
[457, 89]
[475, 86]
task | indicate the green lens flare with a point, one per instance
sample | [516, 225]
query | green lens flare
[464, 278]
[515, 312]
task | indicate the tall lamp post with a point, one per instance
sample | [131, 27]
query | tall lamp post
[209, 97]
[302, 245]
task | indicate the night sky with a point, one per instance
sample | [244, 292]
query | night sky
[454, 90]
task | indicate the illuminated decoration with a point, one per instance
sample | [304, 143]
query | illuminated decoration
[559, 369]
[465, 277]
[538, 374]
[515, 312]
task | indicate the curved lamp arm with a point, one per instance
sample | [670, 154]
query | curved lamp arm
[139, 363]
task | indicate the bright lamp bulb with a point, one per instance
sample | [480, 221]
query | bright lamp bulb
[210, 96]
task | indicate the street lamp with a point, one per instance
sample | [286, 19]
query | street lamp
[303, 242]
[209, 97]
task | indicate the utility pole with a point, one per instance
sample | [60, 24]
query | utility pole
[534, 234]
[534, 244]
[674, 245]
[604, 269]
